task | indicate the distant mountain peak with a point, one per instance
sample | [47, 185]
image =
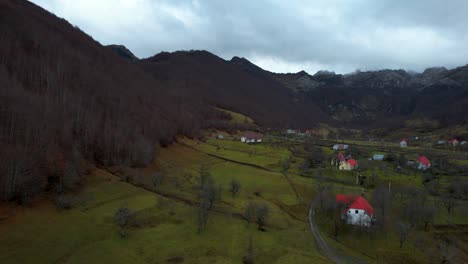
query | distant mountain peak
[123, 52]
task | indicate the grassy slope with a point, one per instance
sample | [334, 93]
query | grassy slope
[237, 117]
[43, 234]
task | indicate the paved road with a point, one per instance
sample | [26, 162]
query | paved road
[326, 249]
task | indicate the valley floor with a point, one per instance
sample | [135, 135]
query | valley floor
[165, 227]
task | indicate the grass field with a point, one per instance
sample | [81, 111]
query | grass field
[237, 117]
[168, 234]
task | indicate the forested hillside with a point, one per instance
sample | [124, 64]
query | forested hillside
[65, 98]
[225, 84]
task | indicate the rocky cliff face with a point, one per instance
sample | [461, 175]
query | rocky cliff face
[374, 95]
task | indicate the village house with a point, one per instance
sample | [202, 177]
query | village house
[220, 136]
[357, 210]
[423, 163]
[441, 142]
[463, 143]
[350, 164]
[378, 157]
[340, 147]
[291, 131]
[454, 142]
[403, 143]
[338, 159]
[251, 137]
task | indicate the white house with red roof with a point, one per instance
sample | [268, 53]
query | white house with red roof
[454, 142]
[338, 159]
[350, 164]
[423, 163]
[403, 143]
[252, 137]
[357, 210]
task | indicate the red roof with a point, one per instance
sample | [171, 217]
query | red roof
[352, 162]
[355, 202]
[453, 140]
[252, 135]
[340, 157]
[404, 139]
[345, 199]
[424, 160]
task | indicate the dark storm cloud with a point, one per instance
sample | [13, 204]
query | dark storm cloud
[340, 35]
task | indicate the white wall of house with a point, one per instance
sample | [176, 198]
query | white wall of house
[421, 166]
[403, 144]
[357, 217]
[250, 140]
[346, 166]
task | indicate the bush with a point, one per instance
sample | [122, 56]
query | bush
[64, 202]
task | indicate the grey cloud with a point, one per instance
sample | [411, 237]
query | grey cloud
[339, 35]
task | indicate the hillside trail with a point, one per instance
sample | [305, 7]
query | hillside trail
[326, 249]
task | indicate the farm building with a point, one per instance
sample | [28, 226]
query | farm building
[441, 142]
[291, 131]
[357, 210]
[403, 143]
[423, 163]
[252, 137]
[220, 136]
[454, 142]
[349, 165]
[378, 157]
[340, 146]
[463, 143]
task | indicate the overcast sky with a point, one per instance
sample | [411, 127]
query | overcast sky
[284, 35]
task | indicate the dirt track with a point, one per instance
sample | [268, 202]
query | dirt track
[326, 249]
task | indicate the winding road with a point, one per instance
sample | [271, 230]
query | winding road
[326, 249]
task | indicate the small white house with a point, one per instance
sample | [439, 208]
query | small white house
[220, 136]
[340, 146]
[423, 163]
[404, 143]
[357, 211]
[251, 137]
[454, 142]
[348, 165]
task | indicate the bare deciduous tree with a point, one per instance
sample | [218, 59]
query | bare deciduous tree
[248, 258]
[157, 179]
[382, 200]
[403, 230]
[235, 187]
[122, 217]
